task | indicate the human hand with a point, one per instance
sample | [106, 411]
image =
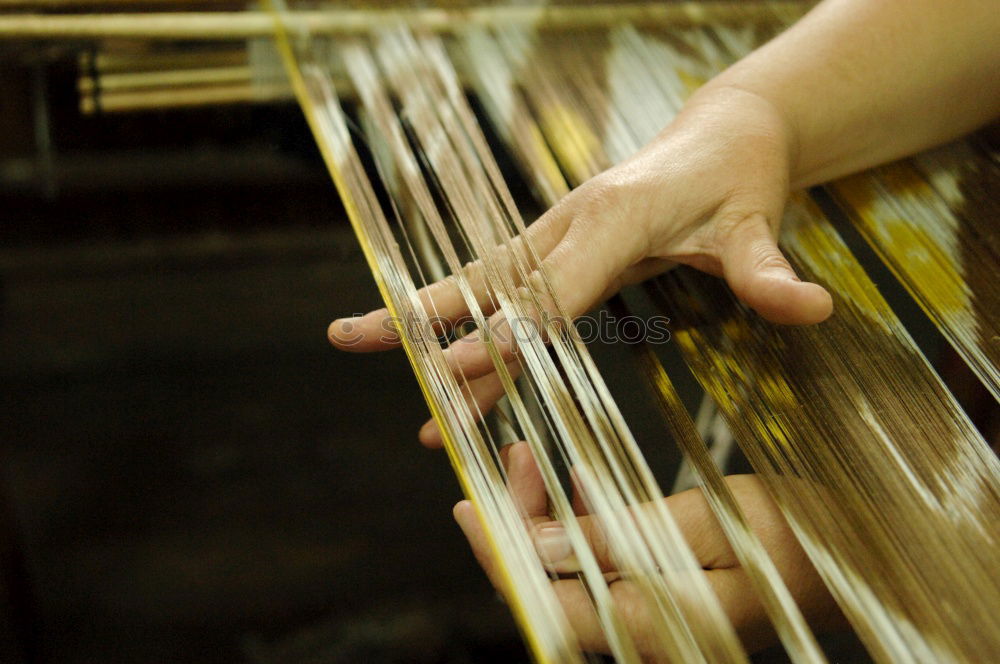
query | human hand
[703, 534]
[707, 192]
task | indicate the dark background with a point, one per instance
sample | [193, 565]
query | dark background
[188, 472]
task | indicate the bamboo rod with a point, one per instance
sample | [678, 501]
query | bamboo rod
[185, 88]
[242, 25]
[133, 61]
[184, 97]
[162, 79]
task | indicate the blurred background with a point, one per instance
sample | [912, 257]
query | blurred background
[188, 472]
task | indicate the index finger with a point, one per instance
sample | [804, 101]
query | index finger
[443, 300]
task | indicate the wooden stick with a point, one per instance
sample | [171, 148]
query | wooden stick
[242, 25]
[184, 97]
[163, 79]
[116, 61]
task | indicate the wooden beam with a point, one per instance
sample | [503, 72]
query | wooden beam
[243, 25]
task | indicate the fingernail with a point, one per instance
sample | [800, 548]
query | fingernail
[552, 543]
[344, 327]
[461, 512]
[344, 332]
[461, 506]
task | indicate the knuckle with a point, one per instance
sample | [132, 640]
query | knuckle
[767, 257]
[537, 294]
[471, 270]
[608, 192]
[730, 218]
[599, 544]
[450, 282]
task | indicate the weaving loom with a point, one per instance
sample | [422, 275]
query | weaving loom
[888, 486]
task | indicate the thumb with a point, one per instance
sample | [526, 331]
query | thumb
[761, 276]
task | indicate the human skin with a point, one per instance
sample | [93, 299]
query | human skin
[853, 84]
[704, 535]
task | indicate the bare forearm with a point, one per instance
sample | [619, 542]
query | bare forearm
[862, 82]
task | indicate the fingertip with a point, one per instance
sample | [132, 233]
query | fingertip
[519, 455]
[554, 548]
[761, 276]
[787, 301]
[363, 333]
[468, 521]
[338, 330]
[526, 483]
[818, 303]
[465, 517]
[460, 510]
[519, 465]
[430, 435]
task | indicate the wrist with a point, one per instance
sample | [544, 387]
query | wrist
[750, 112]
